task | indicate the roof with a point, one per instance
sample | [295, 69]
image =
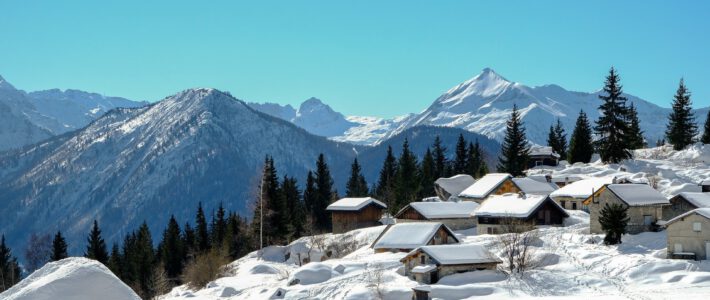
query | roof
[530, 186]
[637, 194]
[485, 185]
[705, 212]
[700, 200]
[543, 151]
[455, 184]
[512, 205]
[423, 268]
[458, 254]
[409, 235]
[353, 204]
[582, 189]
[443, 210]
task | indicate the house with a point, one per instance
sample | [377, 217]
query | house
[542, 156]
[406, 237]
[452, 186]
[689, 235]
[353, 213]
[530, 186]
[421, 292]
[559, 180]
[685, 202]
[645, 206]
[455, 215]
[427, 264]
[572, 195]
[491, 184]
[499, 214]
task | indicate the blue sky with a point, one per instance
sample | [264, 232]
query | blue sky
[381, 58]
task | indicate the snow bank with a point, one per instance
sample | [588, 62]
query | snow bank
[311, 273]
[73, 278]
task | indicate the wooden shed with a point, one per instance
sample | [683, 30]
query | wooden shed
[452, 186]
[491, 184]
[542, 156]
[455, 215]
[405, 237]
[427, 264]
[645, 206]
[353, 213]
[510, 212]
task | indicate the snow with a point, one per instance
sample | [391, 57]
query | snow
[542, 151]
[457, 254]
[407, 235]
[705, 212]
[530, 186]
[423, 268]
[311, 273]
[455, 184]
[445, 210]
[582, 189]
[353, 204]
[637, 194]
[698, 199]
[484, 186]
[510, 205]
[72, 278]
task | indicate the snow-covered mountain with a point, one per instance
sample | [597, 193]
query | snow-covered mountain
[27, 118]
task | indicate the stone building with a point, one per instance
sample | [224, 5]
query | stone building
[353, 213]
[685, 202]
[689, 235]
[455, 215]
[645, 206]
[572, 196]
[427, 264]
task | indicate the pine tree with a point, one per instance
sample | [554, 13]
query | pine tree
[172, 250]
[324, 194]
[385, 189]
[356, 186]
[59, 247]
[475, 160]
[705, 139]
[96, 249]
[202, 236]
[426, 170]
[235, 243]
[219, 227]
[613, 219]
[309, 193]
[515, 148]
[461, 156]
[188, 239]
[407, 178]
[10, 272]
[144, 260]
[440, 161]
[557, 139]
[580, 145]
[681, 129]
[115, 262]
[635, 134]
[275, 214]
[294, 205]
[611, 127]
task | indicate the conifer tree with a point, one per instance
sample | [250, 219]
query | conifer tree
[275, 214]
[294, 205]
[440, 161]
[172, 250]
[475, 160]
[515, 149]
[115, 263]
[385, 190]
[557, 139]
[96, 248]
[219, 226]
[10, 272]
[427, 170]
[705, 139]
[59, 247]
[144, 260]
[461, 156]
[613, 219]
[236, 243]
[407, 178]
[580, 145]
[356, 186]
[635, 134]
[611, 127]
[324, 194]
[309, 193]
[202, 236]
[681, 129]
[188, 239]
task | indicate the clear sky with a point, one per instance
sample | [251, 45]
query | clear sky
[380, 58]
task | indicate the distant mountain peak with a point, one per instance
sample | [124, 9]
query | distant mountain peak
[4, 85]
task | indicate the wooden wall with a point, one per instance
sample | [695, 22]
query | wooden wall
[368, 216]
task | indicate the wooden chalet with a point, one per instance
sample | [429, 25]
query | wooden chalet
[455, 215]
[405, 237]
[353, 213]
[645, 206]
[427, 264]
[513, 212]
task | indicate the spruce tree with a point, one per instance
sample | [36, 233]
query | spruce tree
[356, 186]
[188, 239]
[635, 134]
[144, 259]
[309, 193]
[219, 226]
[611, 127]
[440, 161]
[235, 243]
[115, 262]
[324, 194]
[294, 205]
[275, 214]
[515, 149]
[59, 247]
[461, 156]
[407, 178]
[426, 170]
[681, 129]
[202, 236]
[557, 139]
[96, 248]
[580, 145]
[10, 272]
[475, 160]
[172, 250]
[385, 189]
[705, 139]
[613, 219]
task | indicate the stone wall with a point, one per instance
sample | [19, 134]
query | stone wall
[681, 232]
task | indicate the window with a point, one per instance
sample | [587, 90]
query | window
[677, 248]
[574, 205]
[562, 203]
[423, 259]
[696, 226]
[647, 220]
[489, 230]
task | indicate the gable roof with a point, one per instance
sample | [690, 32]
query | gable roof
[455, 184]
[354, 204]
[513, 205]
[530, 186]
[442, 210]
[582, 189]
[457, 254]
[637, 194]
[542, 151]
[700, 200]
[705, 212]
[409, 235]
[485, 185]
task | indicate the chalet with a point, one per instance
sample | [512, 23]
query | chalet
[689, 235]
[645, 206]
[685, 202]
[405, 237]
[530, 186]
[572, 196]
[491, 184]
[455, 215]
[542, 156]
[558, 180]
[452, 186]
[421, 292]
[427, 264]
[353, 213]
[499, 214]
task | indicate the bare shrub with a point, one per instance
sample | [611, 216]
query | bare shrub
[161, 283]
[517, 245]
[39, 249]
[204, 268]
[342, 247]
[375, 280]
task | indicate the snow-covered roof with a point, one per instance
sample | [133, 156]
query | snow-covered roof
[637, 194]
[705, 212]
[444, 210]
[511, 205]
[530, 186]
[408, 235]
[484, 186]
[459, 254]
[348, 204]
[700, 200]
[582, 189]
[423, 268]
[455, 184]
[543, 151]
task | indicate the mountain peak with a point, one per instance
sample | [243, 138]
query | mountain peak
[4, 85]
[489, 74]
